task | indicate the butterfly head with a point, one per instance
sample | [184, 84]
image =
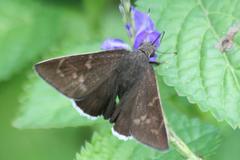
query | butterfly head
[148, 49]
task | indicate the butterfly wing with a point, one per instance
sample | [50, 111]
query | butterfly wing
[141, 115]
[147, 123]
[101, 101]
[79, 75]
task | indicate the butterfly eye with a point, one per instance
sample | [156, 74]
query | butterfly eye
[152, 55]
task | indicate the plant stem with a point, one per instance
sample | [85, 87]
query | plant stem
[125, 9]
[181, 146]
[178, 143]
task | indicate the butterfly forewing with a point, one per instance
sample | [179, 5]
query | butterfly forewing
[78, 76]
[147, 123]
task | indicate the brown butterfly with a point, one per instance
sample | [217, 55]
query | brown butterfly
[94, 81]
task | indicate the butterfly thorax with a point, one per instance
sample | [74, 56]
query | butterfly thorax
[148, 49]
[132, 69]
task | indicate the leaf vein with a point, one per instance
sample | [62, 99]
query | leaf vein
[203, 8]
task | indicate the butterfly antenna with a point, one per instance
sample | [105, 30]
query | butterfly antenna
[160, 35]
[157, 39]
[149, 11]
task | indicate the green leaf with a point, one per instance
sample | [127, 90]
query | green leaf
[105, 146]
[199, 70]
[203, 139]
[26, 31]
[44, 107]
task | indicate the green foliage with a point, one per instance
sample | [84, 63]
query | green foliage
[47, 111]
[26, 30]
[199, 70]
[202, 138]
[105, 146]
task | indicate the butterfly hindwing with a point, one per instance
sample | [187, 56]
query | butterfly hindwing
[122, 115]
[79, 75]
[141, 115]
[102, 100]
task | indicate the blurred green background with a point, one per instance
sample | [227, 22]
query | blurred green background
[33, 29]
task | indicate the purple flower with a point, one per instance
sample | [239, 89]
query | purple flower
[142, 21]
[146, 36]
[153, 58]
[144, 31]
[111, 44]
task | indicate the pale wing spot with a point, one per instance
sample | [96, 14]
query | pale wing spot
[74, 75]
[137, 99]
[58, 71]
[90, 57]
[83, 87]
[154, 131]
[153, 101]
[143, 117]
[81, 79]
[75, 86]
[148, 121]
[137, 121]
[88, 63]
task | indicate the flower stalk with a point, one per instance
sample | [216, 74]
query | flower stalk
[125, 9]
[181, 147]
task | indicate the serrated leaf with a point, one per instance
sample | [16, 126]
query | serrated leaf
[200, 71]
[203, 140]
[105, 146]
[26, 30]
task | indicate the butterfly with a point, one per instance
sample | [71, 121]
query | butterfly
[94, 81]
